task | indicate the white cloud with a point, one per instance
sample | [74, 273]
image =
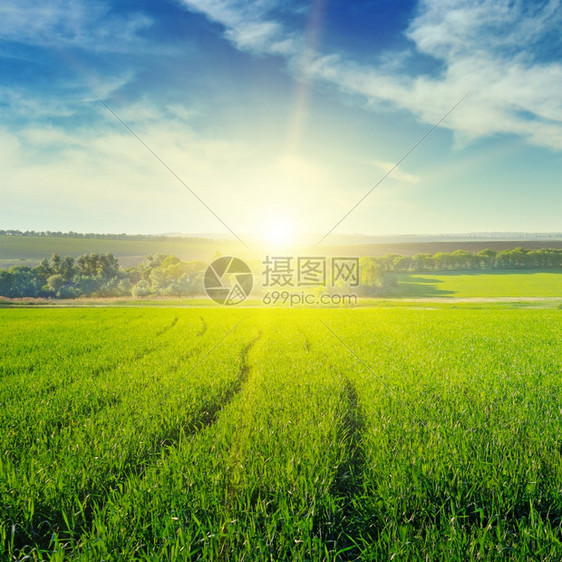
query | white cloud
[247, 25]
[448, 28]
[70, 22]
[488, 48]
[97, 173]
[17, 102]
[396, 173]
[66, 100]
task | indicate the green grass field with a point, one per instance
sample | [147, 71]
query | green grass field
[480, 284]
[252, 434]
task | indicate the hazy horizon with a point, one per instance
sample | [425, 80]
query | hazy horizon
[316, 235]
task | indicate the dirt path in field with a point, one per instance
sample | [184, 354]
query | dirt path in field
[541, 302]
[479, 299]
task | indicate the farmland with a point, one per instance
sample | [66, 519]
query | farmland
[30, 250]
[480, 284]
[255, 434]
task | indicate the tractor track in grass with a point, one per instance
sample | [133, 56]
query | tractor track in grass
[209, 416]
[168, 327]
[103, 401]
[94, 371]
[348, 482]
[204, 327]
[55, 521]
[306, 344]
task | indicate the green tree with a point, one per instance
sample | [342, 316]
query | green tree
[23, 282]
[55, 282]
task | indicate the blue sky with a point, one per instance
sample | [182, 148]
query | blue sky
[281, 113]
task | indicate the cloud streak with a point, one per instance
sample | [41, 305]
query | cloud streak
[489, 48]
[64, 23]
[396, 173]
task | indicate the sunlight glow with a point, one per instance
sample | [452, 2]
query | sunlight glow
[279, 232]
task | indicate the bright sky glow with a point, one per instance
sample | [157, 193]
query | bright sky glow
[279, 233]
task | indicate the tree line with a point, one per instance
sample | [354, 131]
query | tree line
[100, 275]
[121, 236]
[517, 258]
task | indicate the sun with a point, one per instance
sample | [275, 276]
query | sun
[278, 232]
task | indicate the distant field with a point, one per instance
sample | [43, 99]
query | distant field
[412, 248]
[478, 284]
[305, 435]
[28, 250]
